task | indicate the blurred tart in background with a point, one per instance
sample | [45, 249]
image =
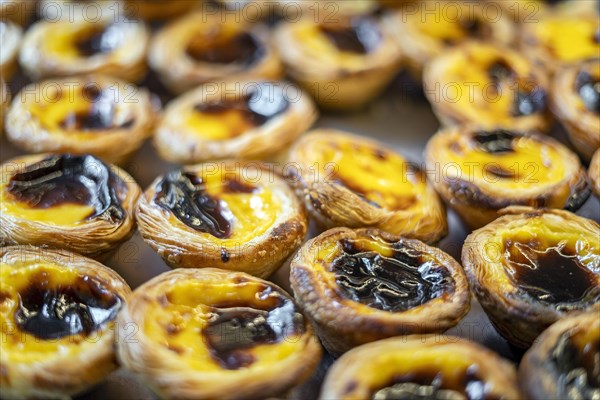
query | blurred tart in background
[201, 48]
[10, 42]
[421, 366]
[480, 171]
[90, 114]
[487, 84]
[424, 29]
[363, 285]
[234, 215]
[343, 63]
[233, 119]
[208, 333]
[111, 46]
[532, 267]
[18, 11]
[352, 181]
[58, 310]
[76, 203]
[576, 103]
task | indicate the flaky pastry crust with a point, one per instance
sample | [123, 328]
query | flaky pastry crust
[594, 173]
[342, 322]
[60, 367]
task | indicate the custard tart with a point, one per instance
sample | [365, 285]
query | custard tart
[10, 42]
[250, 120]
[426, 28]
[343, 62]
[479, 171]
[234, 215]
[107, 45]
[487, 84]
[18, 11]
[58, 312]
[352, 181]
[212, 334]
[153, 10]
[559, 38]
[93, 114]
[201, 48]
[594, 173]
[66, 201]
[576, 103]
[532, 267]
[421, 367]
[564, 363]
[363, 285]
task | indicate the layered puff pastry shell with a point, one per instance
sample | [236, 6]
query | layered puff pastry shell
[348, 180]
[364, 285]
[576, 103]
[421, 367]
[233, 119]
[106, 45]
[66, 201]
[234, 215]
[532, 267]
[564, 362]
[58, 313]
[90, 114]
[479, 171]
[10, 42]
[424, 29]
[343, 63]
[204, 47]
[488, 84]
[214, 334]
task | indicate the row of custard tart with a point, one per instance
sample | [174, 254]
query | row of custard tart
[189, 333]
[105, 116]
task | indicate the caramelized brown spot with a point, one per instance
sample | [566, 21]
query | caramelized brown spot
[554, 275]
[224, 255]
[499, 141]
[360, 38]
[499, 172]
[69, 179]
[175, 349]
[4, 296]
[395, 284]
[50, 311]
[242, 49]
[234, 329]
[102, 39]
[236, 186]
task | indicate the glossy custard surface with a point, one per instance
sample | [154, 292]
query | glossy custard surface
[228, 207]
[48, 309]
[226, 118]
[382, 177]
[568, 38]
[226, 324]
[63, 190]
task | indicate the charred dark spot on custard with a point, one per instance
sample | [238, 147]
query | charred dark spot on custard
[361, 37]
[99, 116]
[432, 384]
[497, 171]
[70, 179]
[243, 49]
[406, 280]
[48, 311]
[554, 276]
[234, 329]
[577, 369]
[175, 349]
[500, 70]
[496, 141]
[99, 40]
[259, 105]
[580, 192]
[184, 194]
[588, 88]
[236, 186]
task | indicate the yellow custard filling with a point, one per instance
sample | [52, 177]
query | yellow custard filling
[20, 346]
[381, 176]
[568, 37]
[530, 163]
[467, 85]
[252, 213]
[177, 322]
[222, 126]
[61, 40]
